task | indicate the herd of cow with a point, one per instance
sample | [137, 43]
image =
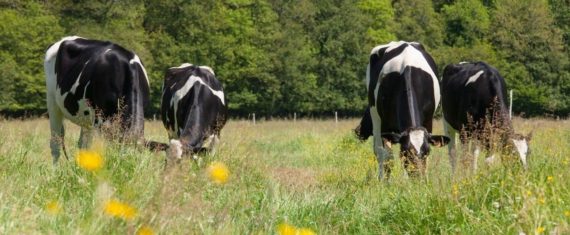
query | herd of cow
[90, 82]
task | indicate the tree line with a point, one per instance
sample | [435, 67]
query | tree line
[276, 57]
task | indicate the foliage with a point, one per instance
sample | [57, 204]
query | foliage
[276, 57]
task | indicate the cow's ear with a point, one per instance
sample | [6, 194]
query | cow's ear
[391, 137]
[438, 140]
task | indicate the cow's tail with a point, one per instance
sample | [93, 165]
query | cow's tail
[364, 129]
[136, 99]
[499, 105]
[64, 150]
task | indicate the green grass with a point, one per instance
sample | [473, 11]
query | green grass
[311, 174]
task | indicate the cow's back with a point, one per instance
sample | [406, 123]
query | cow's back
[192, 94]
[393, 100]
[470, 92]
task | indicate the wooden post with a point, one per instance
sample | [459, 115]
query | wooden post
[294, 117]
[511, 106]
[253, 118]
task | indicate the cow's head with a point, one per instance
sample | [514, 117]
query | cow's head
[518, 145]
[415, 147]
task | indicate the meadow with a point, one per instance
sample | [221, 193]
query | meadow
[311, 174]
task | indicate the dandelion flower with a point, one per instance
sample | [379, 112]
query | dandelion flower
[119, 209]
[286, 229]
[89, 160]
[539, 230]
[53, 207]
[145, 230]
[305, 231]
[455, 190]
[550, 178]
[567, 213]
[218, 172]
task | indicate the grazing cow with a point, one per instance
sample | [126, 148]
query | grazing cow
[89, 82]
[193, 108]
[403, 94]
[474, 102]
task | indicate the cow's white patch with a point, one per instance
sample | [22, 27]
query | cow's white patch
[410, 56]
[53, 49]
[474, 77]
[179, 94]
[388, 47]
[208, 68]
[208, 142]
[522, 149]
[184, 65]
[76, 84]
[417, 139]
[136, 59]
[182, 92]
[107, 51]
[175, 150]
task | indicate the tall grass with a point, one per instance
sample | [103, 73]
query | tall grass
[311, 174]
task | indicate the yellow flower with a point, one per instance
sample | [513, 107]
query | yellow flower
[89, 160]
[145, 230]
[567, 213]
[218, 172]
[550, 178]
[455, 190]
[305, 231]
[541, 200]
[116, 208]
[539, 230]
[53, 207]
[528, 193]
[286, 229]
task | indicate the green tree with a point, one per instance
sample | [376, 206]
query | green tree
[26, 31]
[466, 22]
[524, 32]
[416, 20]
[379, 17]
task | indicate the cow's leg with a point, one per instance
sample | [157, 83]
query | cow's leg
[388, 157]
[85, 138]
[56, 128]
[380, 151]
[490, 158]
[214, 144]
[476, 153]
[451, 133]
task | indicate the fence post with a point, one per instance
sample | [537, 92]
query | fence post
[253, 118]
[511, 105]
[335, 117]
[294, 117]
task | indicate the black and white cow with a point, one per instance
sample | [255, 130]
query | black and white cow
[194, 109]
[403, 94]
[90, 81]
[474, 102]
